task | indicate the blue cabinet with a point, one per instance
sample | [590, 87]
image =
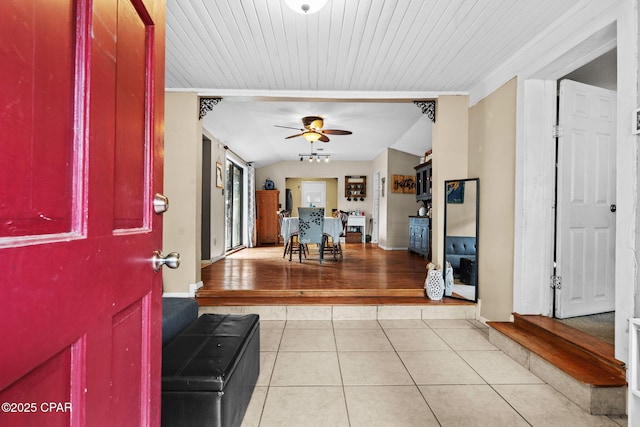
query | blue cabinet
[423, 182]
[420, 236]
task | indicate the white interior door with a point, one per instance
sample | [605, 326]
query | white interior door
[314, 194]
[376, 207]
[585, 236]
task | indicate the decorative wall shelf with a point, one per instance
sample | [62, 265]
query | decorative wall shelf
[355, 187]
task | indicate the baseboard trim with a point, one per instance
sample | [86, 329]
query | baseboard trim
[387, 248]
[176, 295]
[191, 294]
[194, 287]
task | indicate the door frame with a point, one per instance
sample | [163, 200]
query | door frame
[535, 154]
[375, 214]
[243, 200]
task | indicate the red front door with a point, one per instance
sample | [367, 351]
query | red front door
[81, 115]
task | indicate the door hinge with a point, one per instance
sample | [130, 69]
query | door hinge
[557, 131]
[555, 282]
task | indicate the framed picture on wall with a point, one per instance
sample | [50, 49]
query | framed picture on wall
[635, 129]
[218, 175]
[455, 192]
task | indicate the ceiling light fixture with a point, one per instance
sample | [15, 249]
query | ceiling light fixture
[312, 136]
[306, 7]
[315, 156]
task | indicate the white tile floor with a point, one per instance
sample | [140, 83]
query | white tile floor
[399, 373]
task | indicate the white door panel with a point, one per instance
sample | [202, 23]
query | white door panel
[586, 190]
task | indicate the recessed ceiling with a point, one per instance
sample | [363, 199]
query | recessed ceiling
[245, 50]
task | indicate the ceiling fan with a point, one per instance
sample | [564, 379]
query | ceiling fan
[313, 131]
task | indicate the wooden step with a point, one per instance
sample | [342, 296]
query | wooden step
[267, 300]
[310, 293]
[581, 367]
[603, 351]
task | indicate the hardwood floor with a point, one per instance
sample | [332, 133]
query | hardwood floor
[367, 275]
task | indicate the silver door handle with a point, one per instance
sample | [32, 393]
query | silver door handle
[160, 203]
[171, 260]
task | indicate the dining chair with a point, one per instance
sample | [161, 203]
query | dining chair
[310, 226]
[291, 243]
[331, 245]
[344, 218]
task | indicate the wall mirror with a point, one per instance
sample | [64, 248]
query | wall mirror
[461, 209]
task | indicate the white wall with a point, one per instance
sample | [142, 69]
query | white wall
[399, 205]
[492, 123]
[218, 230]
[381, 164]
[182, 185]
[450, 154]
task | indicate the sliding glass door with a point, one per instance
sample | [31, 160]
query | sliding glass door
[233, 199]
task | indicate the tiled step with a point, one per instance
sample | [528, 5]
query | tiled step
[581, 367]
[348, 311]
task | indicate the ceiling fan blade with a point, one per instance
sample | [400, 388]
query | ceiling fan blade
[324, 138]
[336, 132]
[288, 127]
[293, 136]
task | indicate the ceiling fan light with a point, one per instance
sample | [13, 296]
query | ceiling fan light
[317, 124]
[306, 7]
[311, 136]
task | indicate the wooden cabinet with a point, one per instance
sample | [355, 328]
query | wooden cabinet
[423, 181]
[420, 236]
[267, 217]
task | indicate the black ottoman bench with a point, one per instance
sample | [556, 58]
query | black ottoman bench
[209, 371]
[468, 271]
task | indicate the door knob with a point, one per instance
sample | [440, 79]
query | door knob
[160, 203]
[613, 208]
[171, 260]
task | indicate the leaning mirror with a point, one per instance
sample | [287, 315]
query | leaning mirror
[461, 208]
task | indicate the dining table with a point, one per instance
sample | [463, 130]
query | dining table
[332, 226]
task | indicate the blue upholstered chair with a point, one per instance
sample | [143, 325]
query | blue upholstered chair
[311, 224]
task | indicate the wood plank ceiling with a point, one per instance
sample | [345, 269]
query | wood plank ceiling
[259, 47]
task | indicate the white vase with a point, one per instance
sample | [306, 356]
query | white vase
[448, 280]
[434, 285]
